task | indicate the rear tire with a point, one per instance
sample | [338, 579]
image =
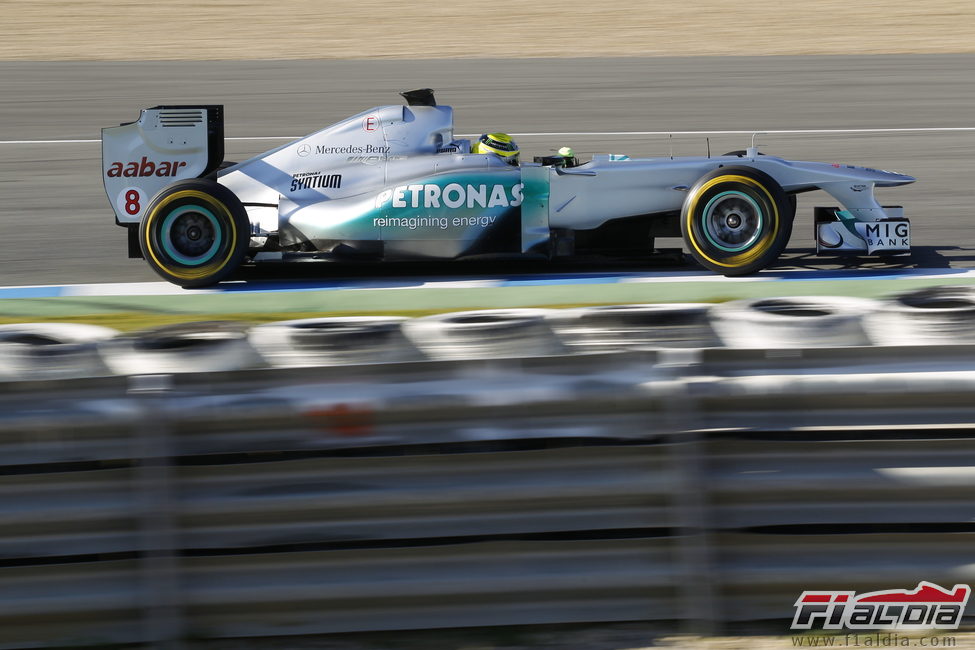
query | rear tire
[195, 233]
[736, 220]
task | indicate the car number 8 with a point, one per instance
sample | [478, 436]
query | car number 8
[129, 202]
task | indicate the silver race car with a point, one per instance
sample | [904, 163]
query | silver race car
[394, 183]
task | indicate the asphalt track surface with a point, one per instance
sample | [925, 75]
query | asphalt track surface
[56, 226]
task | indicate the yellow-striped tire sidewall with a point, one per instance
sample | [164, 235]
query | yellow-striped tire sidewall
[756, 250]
[159, 211]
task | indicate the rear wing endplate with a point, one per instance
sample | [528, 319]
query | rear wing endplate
[166, 144]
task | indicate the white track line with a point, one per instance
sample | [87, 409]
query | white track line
[261, 137]
[48, 141]
[751, 132]
[562, 134]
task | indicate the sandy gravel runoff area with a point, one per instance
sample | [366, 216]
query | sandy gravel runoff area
[350, 29]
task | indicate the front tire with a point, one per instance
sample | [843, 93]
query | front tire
[195, 233]
[736, 220]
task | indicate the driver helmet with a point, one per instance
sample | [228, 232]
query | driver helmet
[500, 144]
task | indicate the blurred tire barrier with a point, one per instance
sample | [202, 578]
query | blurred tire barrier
[808, 321]
[210, 346]
[52, 350]
[932, 316]
[484, 334]
[330, 341]
[615, 327]
[660, 485]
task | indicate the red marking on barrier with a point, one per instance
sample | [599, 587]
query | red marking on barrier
[344, 419]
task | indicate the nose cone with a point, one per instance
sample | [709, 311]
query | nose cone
[892, 179]
[835, 172]
[898, 179]
[879, 177]
[884, 178]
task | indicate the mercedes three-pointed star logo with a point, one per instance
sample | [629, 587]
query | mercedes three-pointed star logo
[304, 150]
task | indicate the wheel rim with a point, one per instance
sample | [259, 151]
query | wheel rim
[732, 221]
[191, 235]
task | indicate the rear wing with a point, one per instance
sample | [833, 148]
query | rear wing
[166, 144]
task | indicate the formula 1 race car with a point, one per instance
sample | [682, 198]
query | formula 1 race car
[394, 183]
